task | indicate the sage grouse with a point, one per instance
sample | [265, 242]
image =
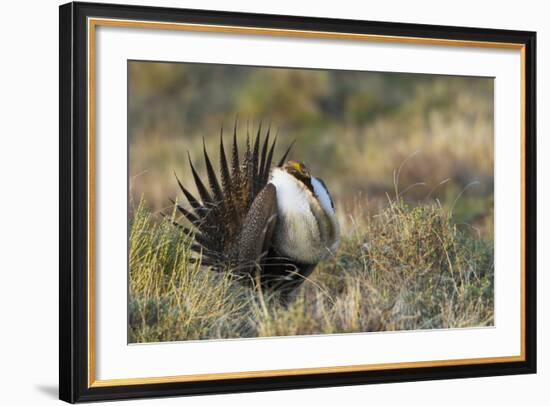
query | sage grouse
[267, 225]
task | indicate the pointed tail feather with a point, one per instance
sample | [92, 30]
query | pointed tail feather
[256, 150]
[235, 166]
[264, 156]
[193, 219]
[269, 160]
[224, 169]
[212, 178]
[197, 207]
[203, 192]
[283, 159]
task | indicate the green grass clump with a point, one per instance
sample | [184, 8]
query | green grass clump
[406, 268]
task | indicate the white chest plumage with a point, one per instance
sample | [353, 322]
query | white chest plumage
[307, 228]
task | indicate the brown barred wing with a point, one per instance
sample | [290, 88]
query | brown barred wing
[255, 237]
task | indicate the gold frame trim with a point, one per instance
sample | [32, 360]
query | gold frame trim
[94, 22]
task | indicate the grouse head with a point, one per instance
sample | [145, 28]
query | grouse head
[299, 171]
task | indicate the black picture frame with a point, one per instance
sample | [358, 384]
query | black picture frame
[73, 289]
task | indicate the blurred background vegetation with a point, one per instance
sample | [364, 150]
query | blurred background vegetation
[352, 129]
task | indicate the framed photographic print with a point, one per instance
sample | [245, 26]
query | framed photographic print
[258, 202]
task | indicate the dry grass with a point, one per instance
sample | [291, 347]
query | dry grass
[404, 268]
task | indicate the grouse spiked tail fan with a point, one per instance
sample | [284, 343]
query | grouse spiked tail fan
[233, 221]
